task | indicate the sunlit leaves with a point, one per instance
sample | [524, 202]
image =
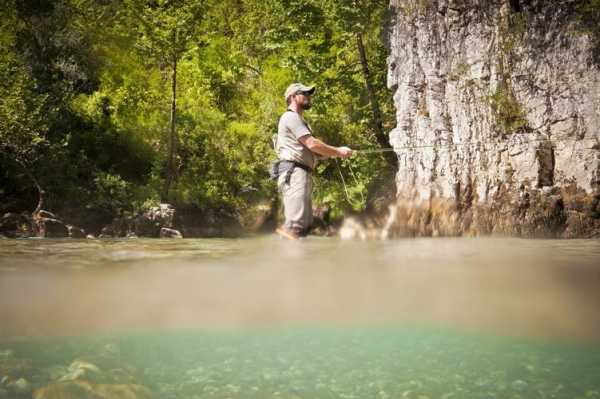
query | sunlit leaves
[234, 60]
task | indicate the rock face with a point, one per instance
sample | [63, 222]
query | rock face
[156, 221]
[151, 222]
[169, 233]
[498, 119]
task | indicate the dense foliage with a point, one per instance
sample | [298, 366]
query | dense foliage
[107, 106]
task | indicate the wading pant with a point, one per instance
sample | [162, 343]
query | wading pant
[297, 200]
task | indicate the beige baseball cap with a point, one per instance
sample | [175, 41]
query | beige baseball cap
[296, 87]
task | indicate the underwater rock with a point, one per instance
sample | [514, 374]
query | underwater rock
[80, 369]
[110, 350]
[56, 372]
[86, 390]
[15, 367]
[129, 391]
[66, 390]
[122, 376]
[519, 385]
[87, 371]
[20, 386]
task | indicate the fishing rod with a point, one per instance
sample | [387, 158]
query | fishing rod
[467, 143]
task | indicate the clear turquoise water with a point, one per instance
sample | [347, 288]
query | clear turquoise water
[335, 363]
[263, 318]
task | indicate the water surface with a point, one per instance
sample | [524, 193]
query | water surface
[318, 318]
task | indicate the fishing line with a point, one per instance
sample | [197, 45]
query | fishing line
[380, 150]
[351, 202]
[467, 143]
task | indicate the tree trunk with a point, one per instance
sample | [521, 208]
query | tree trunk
[37, 221]
[170, 167]
[380, 135]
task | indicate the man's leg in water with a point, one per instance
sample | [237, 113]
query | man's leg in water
[297, 201]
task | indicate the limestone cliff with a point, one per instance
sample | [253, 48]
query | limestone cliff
[498, 119]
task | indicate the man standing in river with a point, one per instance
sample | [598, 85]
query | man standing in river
[298, 151]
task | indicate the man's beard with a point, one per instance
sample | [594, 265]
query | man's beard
[306, 104]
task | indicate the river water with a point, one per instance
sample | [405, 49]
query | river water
[316, 318]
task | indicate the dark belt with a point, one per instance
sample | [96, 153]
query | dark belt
[284, 166]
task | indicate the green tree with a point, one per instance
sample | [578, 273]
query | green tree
[135, 101]
[166, 30]
[356, 19]
[22, 126]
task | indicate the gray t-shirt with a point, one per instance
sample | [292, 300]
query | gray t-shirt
[289, 148]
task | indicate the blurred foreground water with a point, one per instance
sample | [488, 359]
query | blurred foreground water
[318, 318]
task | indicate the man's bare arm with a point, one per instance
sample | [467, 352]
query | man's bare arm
[323, 149]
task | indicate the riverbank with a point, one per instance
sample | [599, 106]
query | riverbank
[160, 221]
[551, 212]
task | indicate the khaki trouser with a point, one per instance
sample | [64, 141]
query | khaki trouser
[297, 200]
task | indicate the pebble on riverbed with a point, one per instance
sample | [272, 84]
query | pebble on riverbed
[85, 390]
[80, 369]
[519, 385]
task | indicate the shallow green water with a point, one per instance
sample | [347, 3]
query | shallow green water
[264, 318]
[333, 363]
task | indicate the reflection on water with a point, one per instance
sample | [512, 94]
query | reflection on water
[318, 318]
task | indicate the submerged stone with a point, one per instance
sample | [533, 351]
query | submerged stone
[20, 386]
[56, 372]
[81, 369]
[519, 385]
[14, 367]
[86, 390]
